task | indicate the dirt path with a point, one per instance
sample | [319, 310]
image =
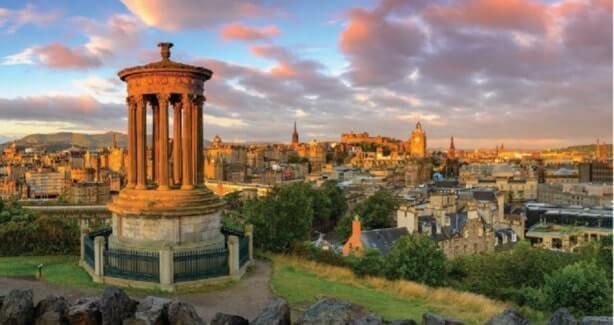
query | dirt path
[246, 298]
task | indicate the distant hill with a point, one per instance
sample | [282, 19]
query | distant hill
[583, 148]
[63, 140]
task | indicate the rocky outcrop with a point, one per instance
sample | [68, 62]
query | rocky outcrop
[51, 311]
[277, 312]
[115, 306]
[17, 308]
[336, 312]
[562, 316]
[150, 311]
[592, 320]
[85, 311]
[181, 313]
[226, 319]
[433, 319]
[508, 317]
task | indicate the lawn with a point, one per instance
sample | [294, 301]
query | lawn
[60, 270]
[304, 282]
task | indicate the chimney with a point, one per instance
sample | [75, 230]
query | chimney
[356, 231]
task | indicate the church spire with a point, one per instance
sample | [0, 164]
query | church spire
[294, 135]
[452, 149]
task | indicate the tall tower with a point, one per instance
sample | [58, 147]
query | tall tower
[451, 150]
[294, 135]
[417, 145]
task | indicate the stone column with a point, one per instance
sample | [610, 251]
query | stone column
[167, 269]
[195, 155]
[131, 142]
[186, 142]
[177, 143]
[233, 255]
[199, 158]
[155, 141]
[163, 138]
[83, 230]
[98, 258]
[141, 141]
[249, 232]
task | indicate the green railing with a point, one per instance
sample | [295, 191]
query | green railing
[200, 264]
[227, 231]
[88, 251]
[142, 266]
[243, 250]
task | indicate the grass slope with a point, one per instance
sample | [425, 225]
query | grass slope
[303, 282]
[60, 270]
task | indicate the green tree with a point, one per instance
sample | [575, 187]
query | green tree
[583, 288]
[329, 206]
[233, 200]
[281, 218]
[370, 263]
[375, 212]
[417, 258]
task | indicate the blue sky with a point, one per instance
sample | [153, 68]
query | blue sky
[528, 73]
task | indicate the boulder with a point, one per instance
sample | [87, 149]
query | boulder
[85, 311]
[597, 320]
[562, 316]
[226, 319]
[51, 310]
[403, 322]
[434, 319]
[333, 312]
[277, 312]
[181, 313]
[17, 308]
[150, 311]
[508, 317]
[115, 306]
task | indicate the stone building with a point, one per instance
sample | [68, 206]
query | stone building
[595, 172]
[45, 184]
[417, 142]
[88, 193]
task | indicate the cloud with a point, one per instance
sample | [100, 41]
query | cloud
[195, 14]
[54, 56]
[15, 19]
[246, 33]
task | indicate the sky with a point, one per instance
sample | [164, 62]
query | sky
[527, 73]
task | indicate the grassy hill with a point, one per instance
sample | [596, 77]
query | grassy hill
[63, 140]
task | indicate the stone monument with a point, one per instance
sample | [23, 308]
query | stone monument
[166, 205]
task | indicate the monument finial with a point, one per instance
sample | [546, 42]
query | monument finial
[165, 50]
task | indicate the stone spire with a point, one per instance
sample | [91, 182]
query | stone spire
[294, 135]
[452, 149]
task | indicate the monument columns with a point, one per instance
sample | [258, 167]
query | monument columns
[186, 140]
[163, 141]
[155, 141]
[195, 133]
[141, 141]
[177, 165]
[200, 147]
[131, 142]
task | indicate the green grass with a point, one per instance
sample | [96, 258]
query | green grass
[60, 270]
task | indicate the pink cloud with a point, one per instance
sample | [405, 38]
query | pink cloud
[247, 33]
[15, 19]
[59, 56]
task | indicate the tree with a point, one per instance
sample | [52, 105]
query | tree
[282, 218]
[418, 258]
[370, 263]
[583, 288]
[329, 206]
[375, 212]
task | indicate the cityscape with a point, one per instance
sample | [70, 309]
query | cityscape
[248, 162]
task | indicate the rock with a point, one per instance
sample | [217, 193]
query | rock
[150, 311]
[403, 322]
[508, 317]
[333, 312]
[597, 320]
[51, 310]
[562, 316]
[1, 301]
[17, 308]
[277, 312]
[115, 306]
[433, 319]
[226, 319]
[181, 313]
[85, 311]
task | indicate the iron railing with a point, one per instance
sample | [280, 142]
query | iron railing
[232, 231]
[243, 250]
[200, 264]
[134, 265]
[88, 251]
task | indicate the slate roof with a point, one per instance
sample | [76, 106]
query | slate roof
[382, 239]
[485, 195]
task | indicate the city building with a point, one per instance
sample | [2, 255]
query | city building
[595, 172]
[579, 194]
[417, 142]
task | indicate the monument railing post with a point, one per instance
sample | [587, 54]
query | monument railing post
[167, 268]
[249, 232]
[83, 230]
[233, 255]
[99, 258]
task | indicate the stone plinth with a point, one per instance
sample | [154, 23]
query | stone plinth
[150, 220]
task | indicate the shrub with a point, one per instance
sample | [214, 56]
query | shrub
[583, 288]
[370, 263]
[417, 258]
